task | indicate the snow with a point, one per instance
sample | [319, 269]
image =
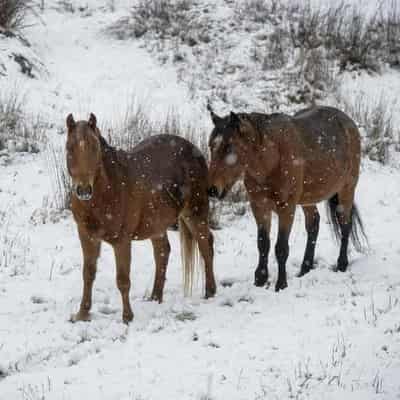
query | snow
[328, 336]
[231, 159]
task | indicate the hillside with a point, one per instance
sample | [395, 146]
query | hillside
[328, 336]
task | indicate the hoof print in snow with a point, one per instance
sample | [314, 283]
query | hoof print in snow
[186, 316]
[227, 303]
[38, 299]
[228, 282]
[3, 373]
[246, 299]
[107, 310]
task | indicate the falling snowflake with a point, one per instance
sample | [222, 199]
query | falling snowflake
[231, 159]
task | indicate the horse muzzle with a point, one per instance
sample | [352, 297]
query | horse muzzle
[84, 192]
[214, 192]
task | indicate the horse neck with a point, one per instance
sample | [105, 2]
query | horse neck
[107, 173]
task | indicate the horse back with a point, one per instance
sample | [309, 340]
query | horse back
[327, 131]
[166, 159]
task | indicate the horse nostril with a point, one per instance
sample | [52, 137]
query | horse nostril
[84, 192]
[213, 191]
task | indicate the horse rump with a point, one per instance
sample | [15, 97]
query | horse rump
[358, 236]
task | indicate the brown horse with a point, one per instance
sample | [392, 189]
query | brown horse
[288, 161]
[119, 197]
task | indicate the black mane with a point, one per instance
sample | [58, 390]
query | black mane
[262, 122]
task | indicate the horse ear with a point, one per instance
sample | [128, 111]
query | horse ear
[92, 121]
[70, 122]
[234, 119]
[214, 117]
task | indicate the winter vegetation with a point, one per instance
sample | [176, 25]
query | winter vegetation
[295, 53]
[19, 131]
[149, 67]
[13, 15]
[376, 121]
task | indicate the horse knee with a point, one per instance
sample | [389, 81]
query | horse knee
[123, 283]
[166, 251]
[89, 272]
[263, 242]
[211, 243]
[316, 221]
[312, 226]
[210, 239]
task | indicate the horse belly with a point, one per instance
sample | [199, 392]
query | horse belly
[322, 181]
[155, 217]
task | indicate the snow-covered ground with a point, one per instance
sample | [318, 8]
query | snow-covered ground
[328, 336]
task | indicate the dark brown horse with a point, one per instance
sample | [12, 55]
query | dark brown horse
[288, 161]
[119, 197]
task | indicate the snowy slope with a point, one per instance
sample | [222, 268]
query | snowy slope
[328, 336]
[88, 71]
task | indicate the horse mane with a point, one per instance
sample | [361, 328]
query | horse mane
[105, 145]
[263, 123]
[111, 153]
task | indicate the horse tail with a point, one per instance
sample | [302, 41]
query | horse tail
[333, 203]
[189, 254]
[358, 236]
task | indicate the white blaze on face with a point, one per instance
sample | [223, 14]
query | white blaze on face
[298, 162]
[217, 142]
[81, 144]
[231, 159]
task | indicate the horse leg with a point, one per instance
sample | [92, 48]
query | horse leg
[122, 252]
[161, 250]
[199, 226]
[262, 215]
[344, 217]
[91, 251]
[286, 216]
[312, 226]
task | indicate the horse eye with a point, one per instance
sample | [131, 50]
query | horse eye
[229, 148]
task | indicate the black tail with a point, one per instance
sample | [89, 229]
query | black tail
[357, 235]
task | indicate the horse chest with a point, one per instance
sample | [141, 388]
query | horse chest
[103, 222]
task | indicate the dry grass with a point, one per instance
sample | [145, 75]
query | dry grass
[348, 35]
[60, 179]
[13, 14]
[314, 43]
[376, 122]
[179, 20]
[19, 132]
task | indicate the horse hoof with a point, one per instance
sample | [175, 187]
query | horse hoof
[210, 292]
[156, 297]
[261, 281]
[260, 277]
[280, 286]
[80, 316]
[127, 318]
[303, 272]
[342, 266]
